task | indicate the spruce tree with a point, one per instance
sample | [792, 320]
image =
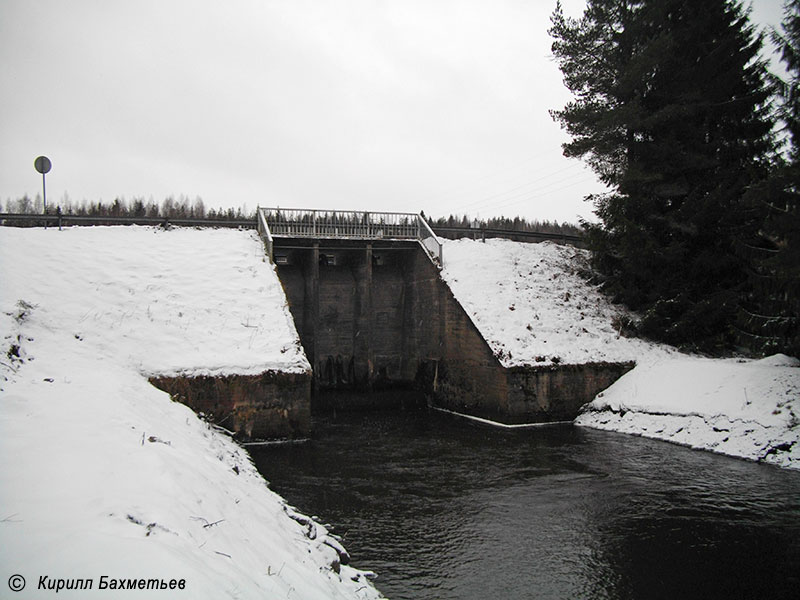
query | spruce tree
[671, 111]
[788, 42]
[770, 319]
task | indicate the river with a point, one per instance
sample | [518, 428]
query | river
[441, 508]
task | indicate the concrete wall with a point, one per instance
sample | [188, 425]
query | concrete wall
[266, 406]
[557, 392]
[447, 354]
[379, 316]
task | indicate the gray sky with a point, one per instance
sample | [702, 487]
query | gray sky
[403, 105]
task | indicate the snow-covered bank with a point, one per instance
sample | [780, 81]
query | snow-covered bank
[165, 302]
[748, 409]
[533, 308]
[102, 474]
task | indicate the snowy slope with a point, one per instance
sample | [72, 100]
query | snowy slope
[102, 474]
[749, 409]
[185, 300]
[532, 307]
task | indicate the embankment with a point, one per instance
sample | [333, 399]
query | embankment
[109, 477]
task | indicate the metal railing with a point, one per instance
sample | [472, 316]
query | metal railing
[347, 224]
[67, 219]
[430, 241]
[481, 233]
[263, 231]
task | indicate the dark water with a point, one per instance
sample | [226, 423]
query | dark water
[441, 508]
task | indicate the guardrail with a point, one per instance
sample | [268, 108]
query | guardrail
[65, 219]
[520, 236]
[414, 227]
[347, 224]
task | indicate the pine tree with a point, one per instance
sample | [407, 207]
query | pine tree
[671, 111]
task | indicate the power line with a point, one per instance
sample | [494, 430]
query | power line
[457, 189]
[498, 195]
[539, 195]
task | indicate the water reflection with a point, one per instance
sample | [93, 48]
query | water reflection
[441, 508]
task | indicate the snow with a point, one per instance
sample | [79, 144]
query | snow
[744, 408]
[167, 302]
[102, 474]
[533, 308]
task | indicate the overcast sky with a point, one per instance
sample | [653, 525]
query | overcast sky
[402, 105]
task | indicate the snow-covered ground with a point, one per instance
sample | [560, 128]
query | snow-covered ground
[749, 409]
[533, 308]
[164, 302]
[103, 476]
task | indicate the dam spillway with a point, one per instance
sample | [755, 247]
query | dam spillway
[374, 314]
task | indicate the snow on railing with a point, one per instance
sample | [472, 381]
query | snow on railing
[348, 224]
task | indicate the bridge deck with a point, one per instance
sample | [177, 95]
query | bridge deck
[347, 224]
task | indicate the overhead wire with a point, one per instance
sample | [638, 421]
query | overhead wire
[542, 195]
[549, 186]
[517, 194]
[488, 199]
[467, 185]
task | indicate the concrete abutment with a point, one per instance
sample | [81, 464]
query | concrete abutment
[270, 405]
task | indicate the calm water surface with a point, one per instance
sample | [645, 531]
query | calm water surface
[441, 508]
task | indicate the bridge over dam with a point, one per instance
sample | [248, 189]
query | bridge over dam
[374, 315]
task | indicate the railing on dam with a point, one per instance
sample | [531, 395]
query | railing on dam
[347, 224]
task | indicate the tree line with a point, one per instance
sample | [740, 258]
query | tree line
[186, 208]
[506, 223]
[181, 207]
[675, 109]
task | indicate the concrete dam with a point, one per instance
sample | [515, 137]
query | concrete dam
[374, 315]
[380, 327]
